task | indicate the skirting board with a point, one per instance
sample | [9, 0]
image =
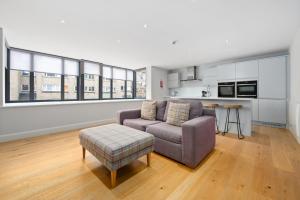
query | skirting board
[39, 132]
[291, 129]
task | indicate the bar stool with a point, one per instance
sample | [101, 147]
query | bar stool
[238, 123]
[213, 107]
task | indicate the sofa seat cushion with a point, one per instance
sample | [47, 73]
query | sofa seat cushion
[139, 124]
[166, 131]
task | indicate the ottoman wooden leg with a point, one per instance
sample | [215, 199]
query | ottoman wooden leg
[83, 152]
[113, 177]
[148, 159]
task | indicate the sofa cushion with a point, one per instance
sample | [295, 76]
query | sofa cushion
[196, 109]
[160, 110]
[148, 110]
[140, 124]
[178, 113]
[166, 132]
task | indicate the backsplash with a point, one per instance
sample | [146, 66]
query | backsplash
[193, 89]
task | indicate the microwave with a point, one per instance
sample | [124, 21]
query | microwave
[226, 89]
[246, 89]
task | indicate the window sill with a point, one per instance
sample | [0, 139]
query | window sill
[56, 103]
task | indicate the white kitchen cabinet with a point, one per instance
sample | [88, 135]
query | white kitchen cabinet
[272, 78]
[208, 72]
[255, 110]
[272, 111]
[247, 70]
[173, 80]
[226, 72]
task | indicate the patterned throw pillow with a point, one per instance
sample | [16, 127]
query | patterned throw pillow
[148, 110]
[178, 113]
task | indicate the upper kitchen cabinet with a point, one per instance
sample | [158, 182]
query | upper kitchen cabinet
[247, 70]
[272, 78]
[226, 72]
[208, 75]
[173, 80]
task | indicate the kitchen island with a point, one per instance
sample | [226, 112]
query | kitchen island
[245, 112]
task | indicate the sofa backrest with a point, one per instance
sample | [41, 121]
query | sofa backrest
[160, 110]
[196, 109]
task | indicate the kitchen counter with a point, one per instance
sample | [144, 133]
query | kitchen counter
[245, 112]
[210, 98]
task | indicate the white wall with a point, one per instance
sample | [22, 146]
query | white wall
[157, 75]
[294, 84]
[195, 88]
[19, 122]
[2, 63]
[26, 121]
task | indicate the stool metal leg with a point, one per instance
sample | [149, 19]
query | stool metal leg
[226, 122]
[240, 135]
[217, 122]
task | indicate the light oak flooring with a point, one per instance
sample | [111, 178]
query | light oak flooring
[265, 166]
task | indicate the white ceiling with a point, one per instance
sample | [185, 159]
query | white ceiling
[112, 31]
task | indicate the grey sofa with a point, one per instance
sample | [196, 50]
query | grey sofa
[187, 144]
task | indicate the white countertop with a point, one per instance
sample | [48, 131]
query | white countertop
[210, 98]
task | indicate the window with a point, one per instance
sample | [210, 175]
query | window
[51, 75]
[106, 82]
[32, 76]
[91, 80]
[25, 88]
[119, 78]
[141, 84]
[47, 88]
[129, 84]
[20, 66]
[25, 73]
[47, 79]
[71, 74]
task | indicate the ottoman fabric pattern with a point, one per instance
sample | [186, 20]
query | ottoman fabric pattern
[116, 145]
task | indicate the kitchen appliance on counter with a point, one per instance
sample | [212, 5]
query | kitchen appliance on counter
[246, 89]
[226, 89]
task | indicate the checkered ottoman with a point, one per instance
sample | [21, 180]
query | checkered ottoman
[115, 145]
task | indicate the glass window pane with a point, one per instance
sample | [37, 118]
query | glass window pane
[91, 86]
[70, 87]
[118, 89]
[19, 85]
[47, 86]
[141, 84]
[106, 88]
[129, 89]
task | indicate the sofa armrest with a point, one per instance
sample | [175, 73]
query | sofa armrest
[209, 112]
[128, 114]
[198, 139]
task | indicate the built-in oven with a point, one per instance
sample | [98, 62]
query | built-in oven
[246, 89]
[226, 89]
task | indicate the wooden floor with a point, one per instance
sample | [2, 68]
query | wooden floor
[265, 166]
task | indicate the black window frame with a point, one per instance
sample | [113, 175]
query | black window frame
[31, 78]
[80, 80]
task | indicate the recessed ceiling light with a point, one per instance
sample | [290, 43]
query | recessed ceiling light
[174, 42]
[62, 21]
[145, 25]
